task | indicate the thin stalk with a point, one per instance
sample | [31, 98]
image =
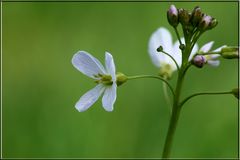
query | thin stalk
[152, 76]
[178, 36]
[172, 59]
[167, 98]
[204, 93]
[195, 38]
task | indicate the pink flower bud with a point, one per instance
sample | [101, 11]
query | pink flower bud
[199, 61]
[172, 16]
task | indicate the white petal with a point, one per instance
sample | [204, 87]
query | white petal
[214, 56]
[219, 49]
[110, 66]
[176, 53]
[109, 97]
[89, 98]
[194, 51]
[206, 47]
[87, 64]
[161, 37]
[213, 63]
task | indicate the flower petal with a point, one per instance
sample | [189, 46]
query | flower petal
[194, 51]
[89, 98]
[219, 49]
[161, 37]
[213, 63]
[214, 56]
[109, 97]
[176, 53]
[110, 66]
[206, 47]
[87, 64]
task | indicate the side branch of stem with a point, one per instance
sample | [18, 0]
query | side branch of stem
[152, 76]
[204, 93]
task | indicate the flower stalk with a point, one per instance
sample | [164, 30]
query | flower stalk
[152, 76]
[174, 117]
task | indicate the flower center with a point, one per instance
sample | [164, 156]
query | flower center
[166, 71]
[104, 79]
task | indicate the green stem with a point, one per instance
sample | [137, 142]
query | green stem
[152, 76]
[174, 116]
[204, 93]
[167, 98]
[178, 36]
[195, 38]
[176, 108]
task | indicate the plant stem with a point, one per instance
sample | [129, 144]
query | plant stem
[174, 116]
[204, 93]
[178, 36]
[176, 107]
[152, 76]
[167, 98]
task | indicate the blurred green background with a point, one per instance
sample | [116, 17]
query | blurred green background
[41, 87]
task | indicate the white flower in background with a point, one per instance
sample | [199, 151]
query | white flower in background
[104, 76]
[162, 37]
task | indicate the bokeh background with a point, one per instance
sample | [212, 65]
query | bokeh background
[41, 87]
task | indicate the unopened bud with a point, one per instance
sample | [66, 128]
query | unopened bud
[196, 16]
[172, 16]
[205, 22]
[160, 49]
[182, 47]
[184, 16]
[199, 61]
[213, 23]
[121, 78]
[235, 92]
[230, 52]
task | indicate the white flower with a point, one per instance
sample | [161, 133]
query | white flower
[105, 76]
[162, 37]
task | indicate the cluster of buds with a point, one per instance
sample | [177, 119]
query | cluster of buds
[190, 20]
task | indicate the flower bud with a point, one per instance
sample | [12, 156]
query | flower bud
[196, 16]
[172, 16]
[182, 47]
[199, 61]
[235, 92]
[230, 52]
[121, 78]
[160, 49]
[184, 16]
[205, 22]
[213, 23]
